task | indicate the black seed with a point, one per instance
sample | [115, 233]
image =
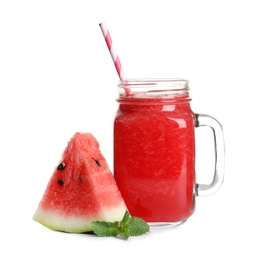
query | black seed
[60, 182]
[61, 166]
[80, 179]
[97, 162]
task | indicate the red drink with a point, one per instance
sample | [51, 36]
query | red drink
[154, 154]
[154, 150]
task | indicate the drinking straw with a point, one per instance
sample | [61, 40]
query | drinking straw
[113, 54]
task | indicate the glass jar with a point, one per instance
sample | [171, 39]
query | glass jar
[154, 150]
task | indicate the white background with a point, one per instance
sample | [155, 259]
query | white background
[57, 77]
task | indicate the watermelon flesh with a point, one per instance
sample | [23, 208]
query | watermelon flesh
[81, 190]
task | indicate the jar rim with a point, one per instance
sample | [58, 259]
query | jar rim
[135, 82]
[153, 87]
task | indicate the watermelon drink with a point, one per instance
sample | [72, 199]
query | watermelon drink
[154, 150]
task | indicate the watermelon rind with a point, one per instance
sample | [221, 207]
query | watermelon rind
[55, 221]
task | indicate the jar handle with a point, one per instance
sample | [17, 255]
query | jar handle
[219, 149]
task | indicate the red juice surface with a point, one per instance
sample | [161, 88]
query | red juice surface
[154, 157]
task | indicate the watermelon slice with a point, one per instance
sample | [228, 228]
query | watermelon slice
[81, 190]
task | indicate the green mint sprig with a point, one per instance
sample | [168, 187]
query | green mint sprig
[128, 226]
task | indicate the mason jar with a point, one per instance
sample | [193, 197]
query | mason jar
[154, 150]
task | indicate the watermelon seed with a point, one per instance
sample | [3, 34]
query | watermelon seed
[61, 166]
[80, 179]
[60, 182]
[97, 162]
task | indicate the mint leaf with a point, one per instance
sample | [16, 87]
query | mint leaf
[125, 221]
[137, 226]
[123, 229]
[128, 226]
[105, 229]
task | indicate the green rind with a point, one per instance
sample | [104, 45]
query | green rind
[73, 224]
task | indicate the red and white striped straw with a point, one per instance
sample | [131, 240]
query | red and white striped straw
[113, 54]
